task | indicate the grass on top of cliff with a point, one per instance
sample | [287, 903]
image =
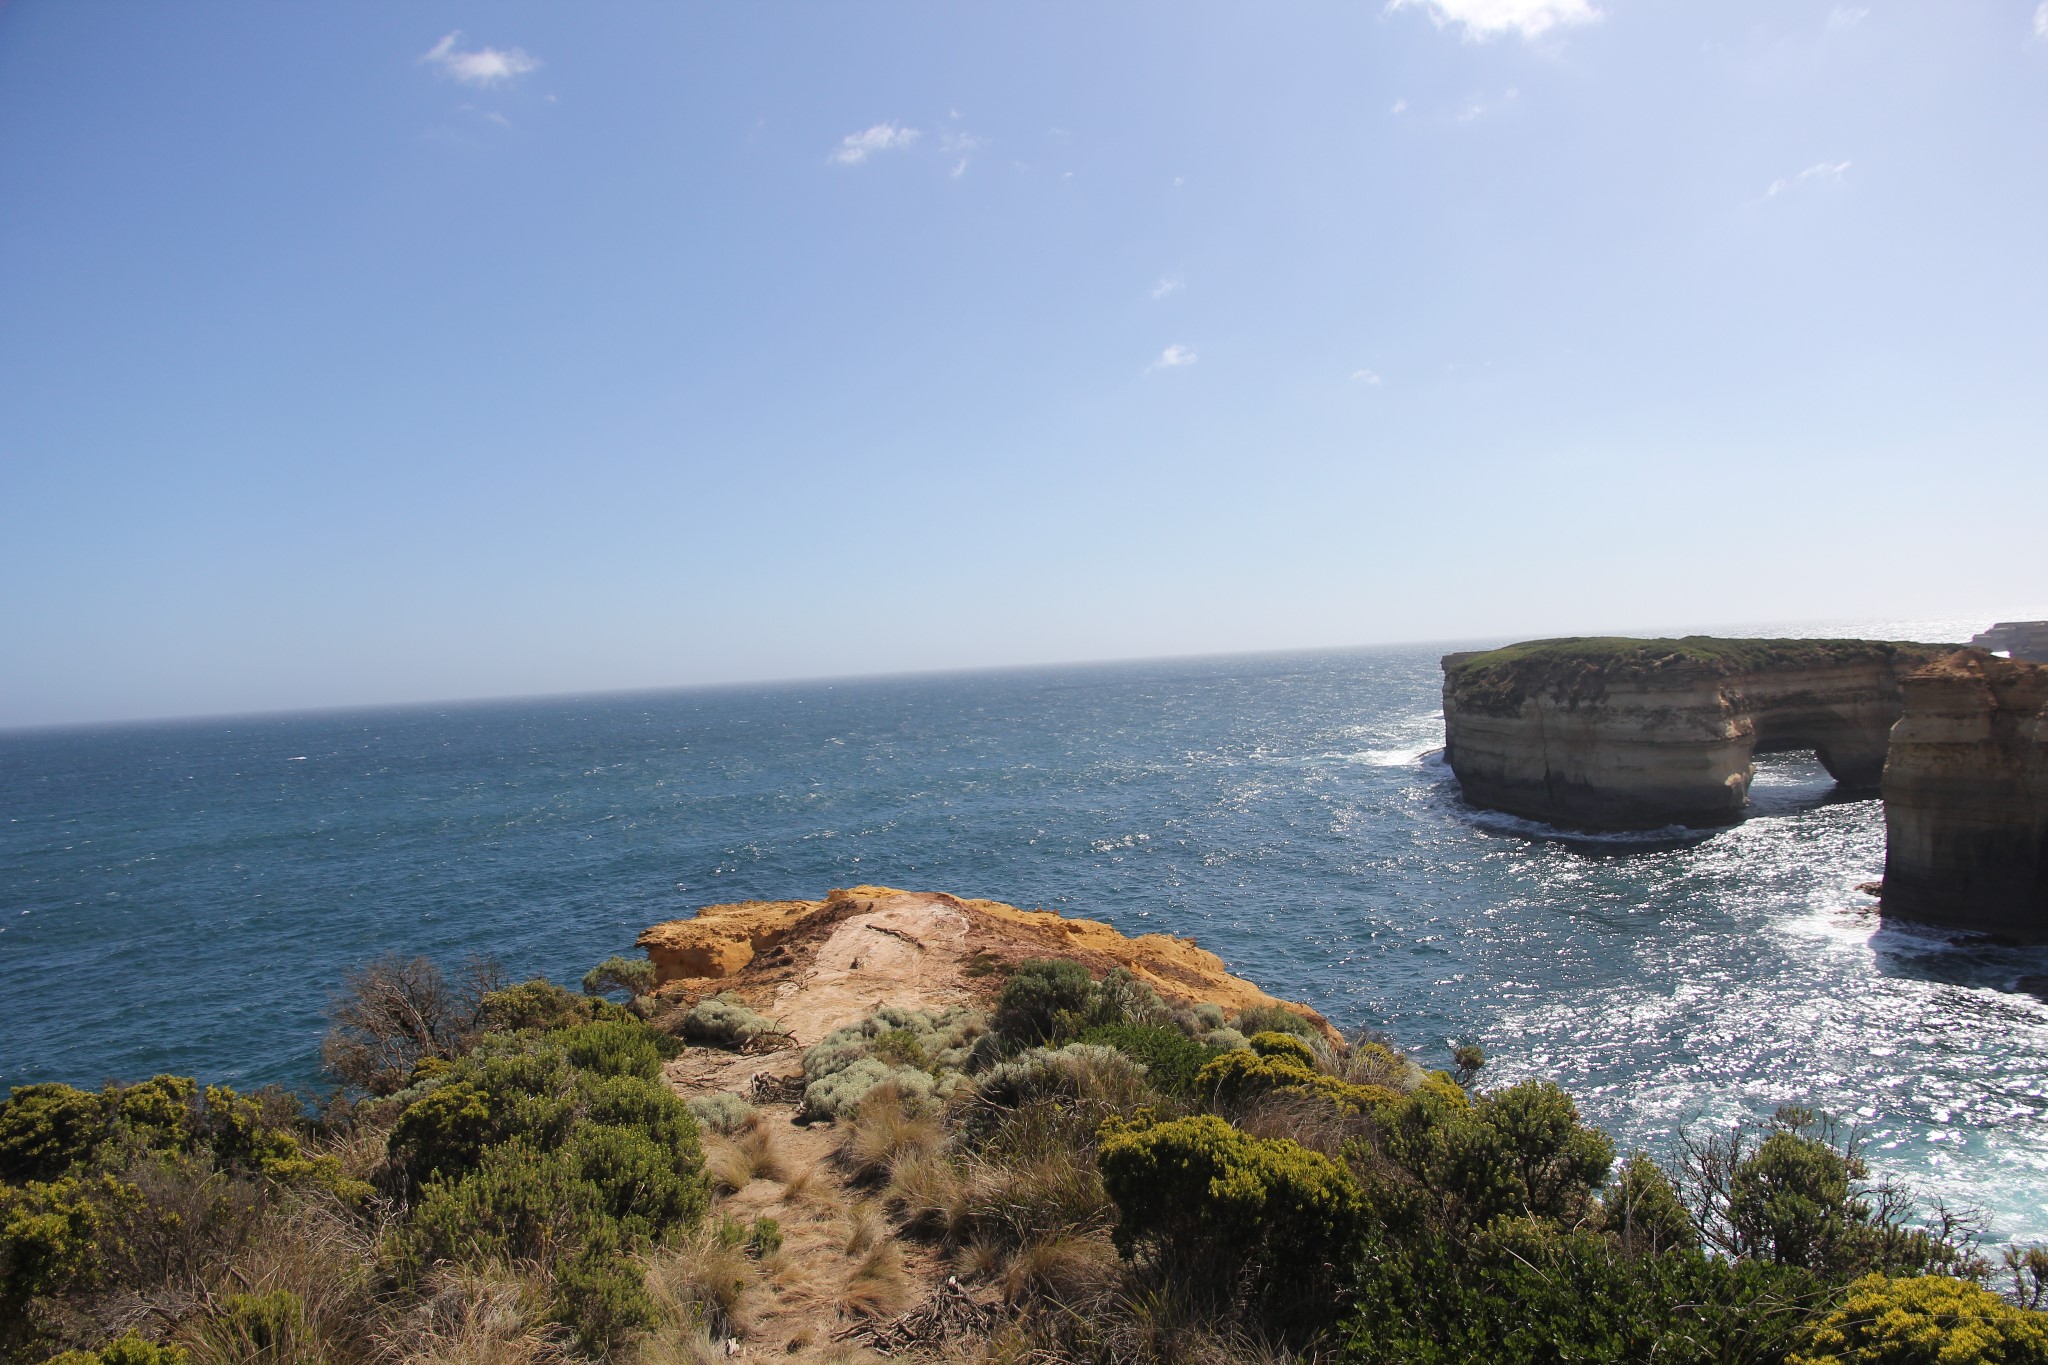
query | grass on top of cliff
[1578, 667]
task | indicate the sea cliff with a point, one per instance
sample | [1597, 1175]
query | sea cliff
[1966, 797]
[1614, 733]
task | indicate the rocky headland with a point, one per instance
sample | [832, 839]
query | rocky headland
[1628, 734]
[1966, 797]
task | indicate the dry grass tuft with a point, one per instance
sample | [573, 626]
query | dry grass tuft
[810, 1187]
[476, 1317]
[930, 1194]
[703, 1283]
[1071, 1271]
[865, 1228]
[1310, 1120]
[751, 1153]
[980, 1259]
[888, 1127]
[878, 1286]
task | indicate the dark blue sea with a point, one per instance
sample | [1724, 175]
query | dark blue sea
[185, 897]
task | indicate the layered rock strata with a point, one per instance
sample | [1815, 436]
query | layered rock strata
[1625, 734]
[1966, 797]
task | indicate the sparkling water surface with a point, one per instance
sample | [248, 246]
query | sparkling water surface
[184, 897]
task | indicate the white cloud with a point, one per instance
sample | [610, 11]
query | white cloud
[855, 148]
[1398, 107]
[1366, 377]
[1847, 16]
[1165, 287]
[1483, 19]
[478, 66]
[2041, 20]
[1822, 171]
[1172, 358]
[961, 147]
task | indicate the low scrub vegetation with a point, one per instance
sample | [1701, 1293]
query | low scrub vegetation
[1105, 1177]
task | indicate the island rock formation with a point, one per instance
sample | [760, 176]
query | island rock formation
[1626, 734]
[2021, 639]
[1966, 797]
[814, 964]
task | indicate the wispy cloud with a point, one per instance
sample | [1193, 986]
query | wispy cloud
[477, 65]
[1172, 358]
[1847, 16]
[1482, 19]
[1479, 108]
[1824, 171]
[1398, 107]
[855, 148]
[1366, 377]
[2041, 20]
[961, 147]
[1165, 287]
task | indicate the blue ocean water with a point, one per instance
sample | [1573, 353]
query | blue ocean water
[185, 897]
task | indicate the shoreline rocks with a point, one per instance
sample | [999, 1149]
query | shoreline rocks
[1966, 798]
[1623, 734]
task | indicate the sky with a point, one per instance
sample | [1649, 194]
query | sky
[359, 353]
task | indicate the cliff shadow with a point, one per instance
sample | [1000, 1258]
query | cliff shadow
[1959, 957]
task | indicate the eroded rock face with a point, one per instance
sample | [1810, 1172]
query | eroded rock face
[1618, 734]
[1966, 797]
[821, 962]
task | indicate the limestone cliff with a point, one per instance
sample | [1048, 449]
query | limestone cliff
[1639, 734]
[1966, 797]
[818, 963]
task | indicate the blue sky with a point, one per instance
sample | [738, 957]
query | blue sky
[360, 353]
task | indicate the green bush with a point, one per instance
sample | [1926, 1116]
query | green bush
[126, 1349]
[540, 1004]
[1043, 997]
[722, 1111]
[1924, 1320]
[1171, 1059]
[615, 1048]
[45, 1130]
[1277, 1019]
[632, 975]
[725, 1020]
[59, 1235]
[1281, 1062]
[764, 1237]
[1642, 1209]
[1530, 1295]
[1455, 1165]
[259, 1329]
[1218, 1205]
[921, 1052]
[603, 1297]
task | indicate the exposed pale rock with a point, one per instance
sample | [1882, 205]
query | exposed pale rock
[1966, 797]
[1640, 734]
[815, 964]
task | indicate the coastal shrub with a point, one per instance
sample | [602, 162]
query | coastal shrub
[1528, 1294]
[262, 1329]
[1170, 1058]
[1642, 1210]
[921, 1052]
[1924, 1320]
[540, 1005]
[615, 1049]
[130, 1348]
[1371, 1062]
[1042, 998]
[1793, 1190]
[47, 1129]
[1281, 1062]
[1220, 1206]
[1078, 1072]
[1442, 1162]
[726, 1021]
[721, 1111]
[632, 976]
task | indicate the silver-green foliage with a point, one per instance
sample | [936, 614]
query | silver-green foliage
[923, 1052]
[726, 1021]
[721, 1111]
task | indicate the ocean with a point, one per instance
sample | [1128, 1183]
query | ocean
[186, 897]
